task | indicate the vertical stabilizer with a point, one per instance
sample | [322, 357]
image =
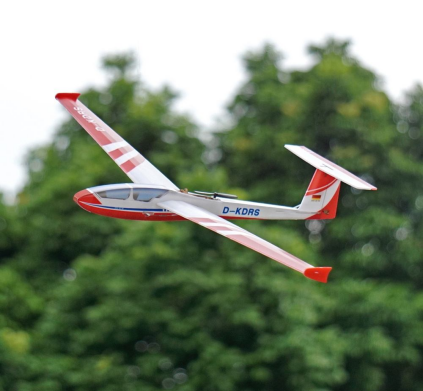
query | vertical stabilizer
[321, 197]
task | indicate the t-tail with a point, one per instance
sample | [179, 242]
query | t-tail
[321, 198]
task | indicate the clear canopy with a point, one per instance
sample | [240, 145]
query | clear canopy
[148, 194]
[138, 194]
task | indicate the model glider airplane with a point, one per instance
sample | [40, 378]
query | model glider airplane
[153, 197]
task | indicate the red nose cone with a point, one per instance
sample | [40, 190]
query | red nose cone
[84, 196]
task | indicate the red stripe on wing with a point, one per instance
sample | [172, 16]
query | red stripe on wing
[119, 152]
[132, 163]
[219, 228]
[105, 138]
[200, 220]
[96, 128]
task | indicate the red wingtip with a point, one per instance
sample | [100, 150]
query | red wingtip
[68, 95]
[320, 274]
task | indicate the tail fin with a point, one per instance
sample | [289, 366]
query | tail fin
[321, 197]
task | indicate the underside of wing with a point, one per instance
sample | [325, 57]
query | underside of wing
[132, 163]
[237, 234]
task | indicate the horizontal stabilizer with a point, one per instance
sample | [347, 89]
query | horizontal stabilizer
[329, 168]
[320, 274]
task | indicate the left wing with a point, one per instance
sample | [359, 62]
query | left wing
[132, 163]
[237, 234]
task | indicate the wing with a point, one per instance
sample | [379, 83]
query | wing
[237, 234]
[132, 163]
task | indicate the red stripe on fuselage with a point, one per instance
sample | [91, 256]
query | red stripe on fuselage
[89, 198]
[131, 215]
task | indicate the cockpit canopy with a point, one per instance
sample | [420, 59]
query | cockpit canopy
[147, 194]
[128, 193]
[115, 194]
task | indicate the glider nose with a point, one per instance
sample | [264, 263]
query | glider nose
[85, 196]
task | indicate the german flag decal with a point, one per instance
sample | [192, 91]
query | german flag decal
[316, 197]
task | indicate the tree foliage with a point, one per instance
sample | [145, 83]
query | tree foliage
[94, 303]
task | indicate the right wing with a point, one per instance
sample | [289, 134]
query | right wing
[132, 163]
[237, 234]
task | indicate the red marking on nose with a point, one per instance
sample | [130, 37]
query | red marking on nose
[85, 196]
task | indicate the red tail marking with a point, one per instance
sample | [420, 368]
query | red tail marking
[320, 182]
[329, 211]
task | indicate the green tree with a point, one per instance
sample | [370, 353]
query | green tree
[9, 231]
[337, 109]
[171, 305]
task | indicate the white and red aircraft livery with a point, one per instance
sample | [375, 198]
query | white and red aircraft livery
[153, 197]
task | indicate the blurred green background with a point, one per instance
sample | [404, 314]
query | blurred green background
[92, 303]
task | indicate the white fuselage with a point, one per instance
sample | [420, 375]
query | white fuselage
[237, 209]
[227, 208]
